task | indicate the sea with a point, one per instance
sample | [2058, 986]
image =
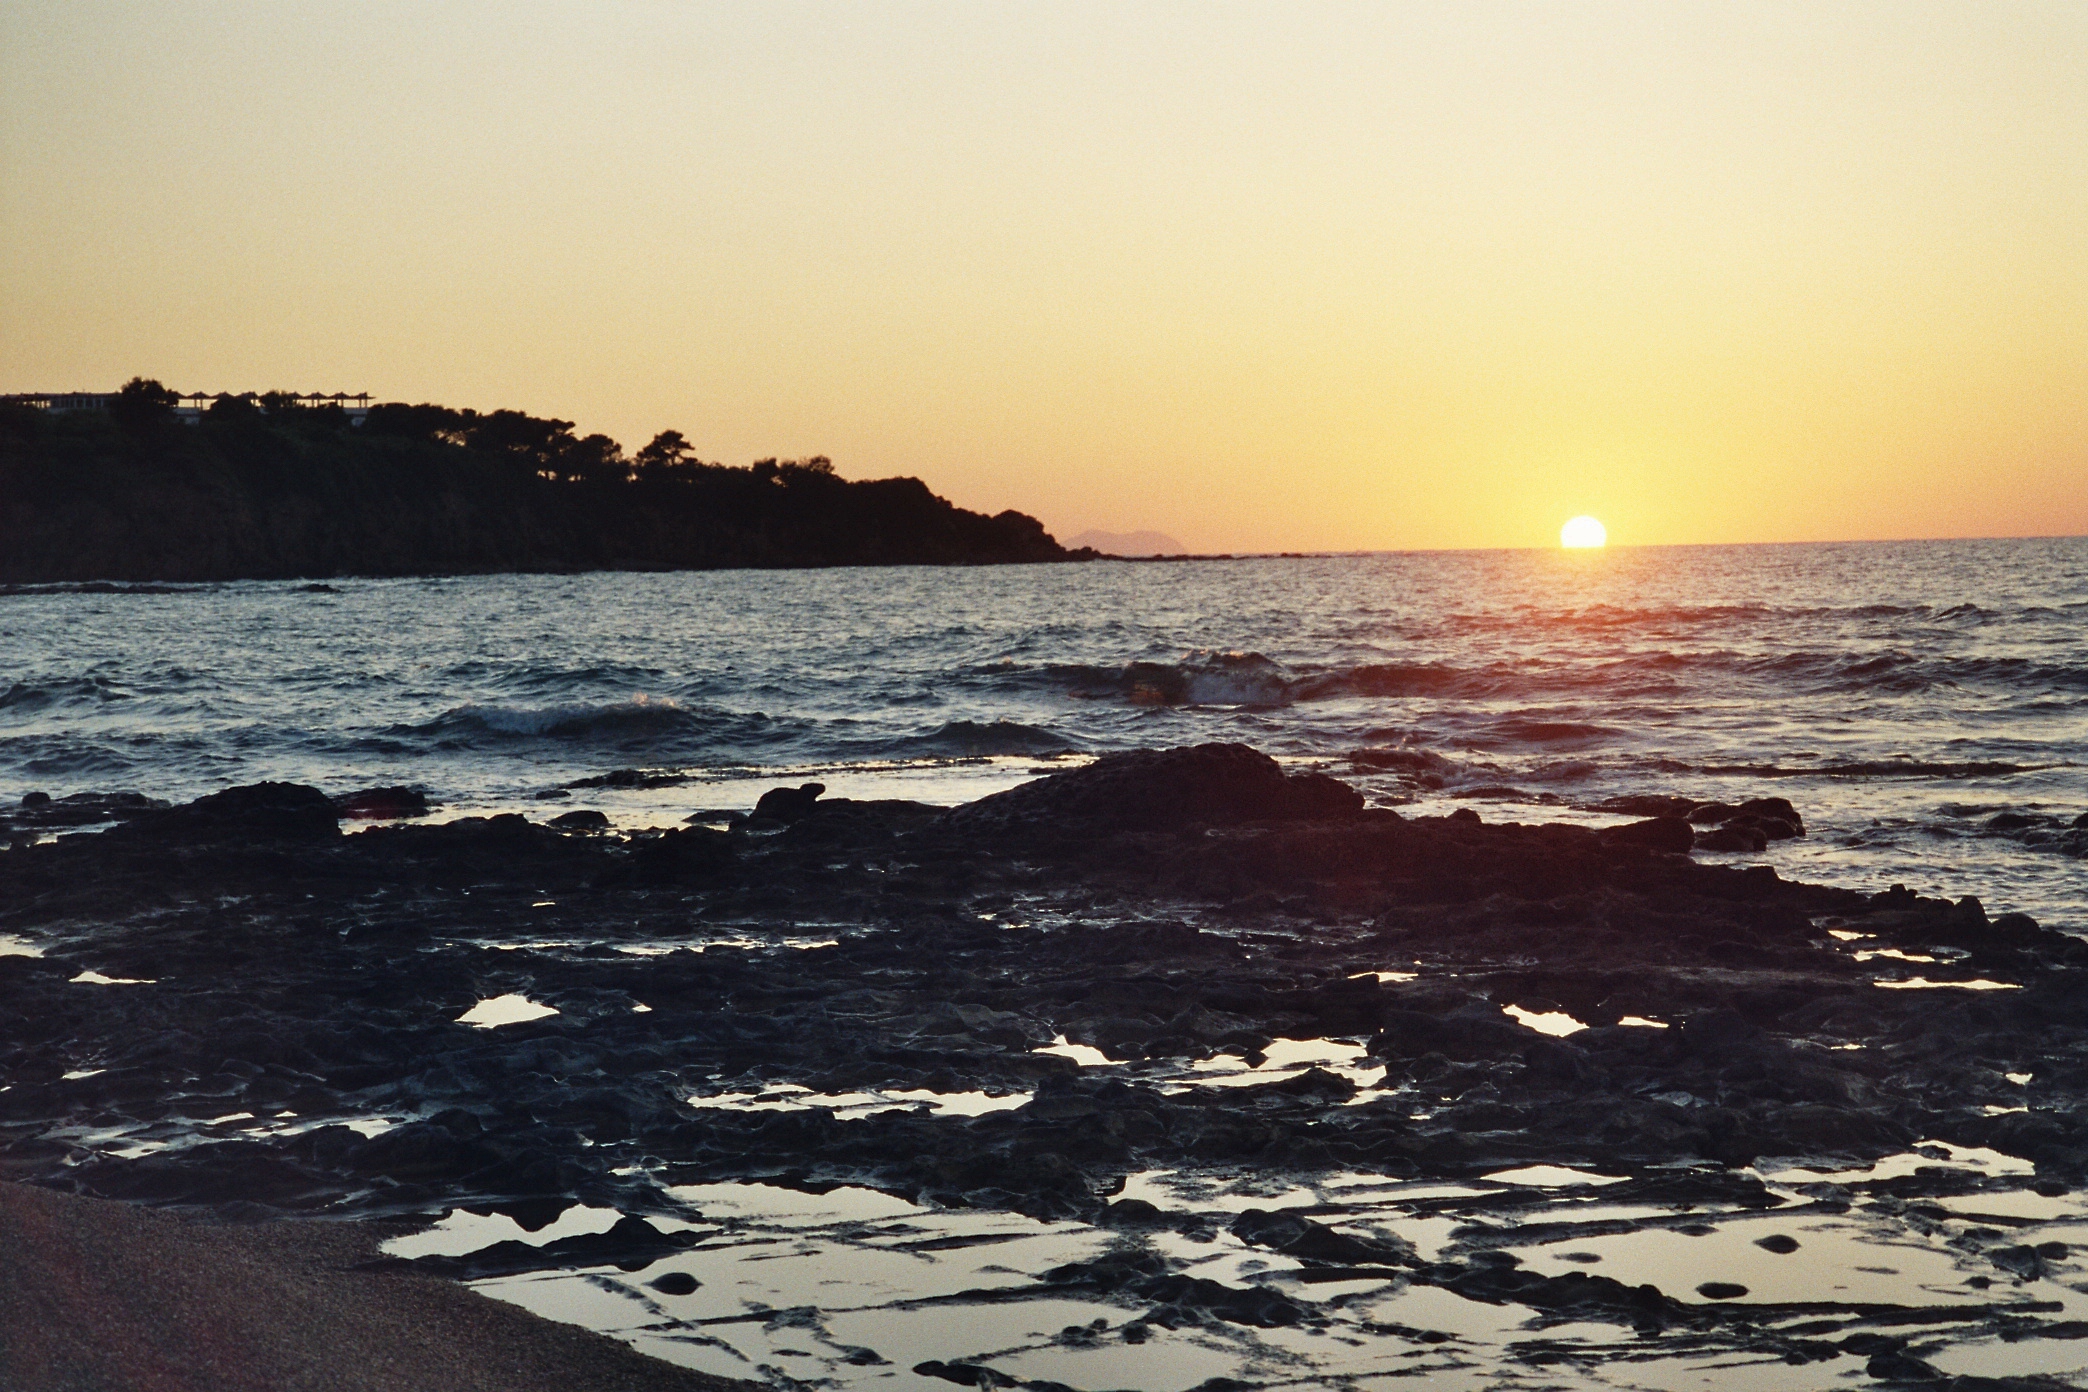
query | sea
[1924, 705]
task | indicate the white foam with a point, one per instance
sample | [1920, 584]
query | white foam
[95, 978]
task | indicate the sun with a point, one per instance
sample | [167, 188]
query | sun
[1582, 532]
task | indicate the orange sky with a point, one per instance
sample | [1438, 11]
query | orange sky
[1259, 276]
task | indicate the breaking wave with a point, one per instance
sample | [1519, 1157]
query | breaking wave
[27, 696]
[639, 723]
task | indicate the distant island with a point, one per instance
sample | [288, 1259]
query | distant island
[272, 486]
[1130, 543]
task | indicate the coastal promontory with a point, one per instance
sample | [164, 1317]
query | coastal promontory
[270, 487]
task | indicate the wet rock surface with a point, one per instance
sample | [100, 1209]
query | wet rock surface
[1183, 961]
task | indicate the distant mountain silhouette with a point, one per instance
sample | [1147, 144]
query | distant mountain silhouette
[268, 488]
[1130, 543]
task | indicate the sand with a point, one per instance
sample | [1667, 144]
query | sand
[104, 1297]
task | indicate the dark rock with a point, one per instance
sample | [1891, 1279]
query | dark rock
[1646, 805]
[1301, 1237]
[632, 1245]
[963, 1374]
[372, 804]
[585, 819]
[1132, 1213]
[1465, 814]
[1733, 836]
[2015, 821]
[1783, 1244]
[1897, 1366]
[255, 813]
[788, 805]
[1721, 1290]
[631, 778]
[1164, 790]
[2022, 1260]
[1775, 815]
[36, 799]
[675, 1283]
[683, 855]
[1669, 834]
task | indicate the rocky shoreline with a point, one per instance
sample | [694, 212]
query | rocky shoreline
[239, 1009]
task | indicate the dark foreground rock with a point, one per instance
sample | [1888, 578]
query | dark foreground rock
[285, 978]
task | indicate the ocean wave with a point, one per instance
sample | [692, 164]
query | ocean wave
[102, 587]
[1252, 681]
[527, 680]
[1877, 768]
[1905, 673]
[972, 738]
[1205, 678]
[638, 722]
[28, 696]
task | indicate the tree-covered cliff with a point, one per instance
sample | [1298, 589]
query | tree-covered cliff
[269, 489]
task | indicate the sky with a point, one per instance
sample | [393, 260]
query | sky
[1306, 276]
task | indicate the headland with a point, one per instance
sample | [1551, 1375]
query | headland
[278, 488]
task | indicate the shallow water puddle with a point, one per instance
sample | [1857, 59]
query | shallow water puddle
[1894, 953]
[461, 1233]
[1556, 1023]
[15, 945]
[1283, 1059]
[1926, 1154]
[855, 1288]
[505, 1010]
[1086, 1055]
[1551, 1176]
[788, 1097]
[95, 978]
[1922, 983]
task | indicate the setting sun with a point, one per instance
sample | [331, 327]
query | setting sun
[1582, 532]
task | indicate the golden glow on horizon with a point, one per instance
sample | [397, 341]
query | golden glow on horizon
[1321, 277]
[1581, 533]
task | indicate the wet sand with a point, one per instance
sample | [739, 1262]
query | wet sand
[107, 1297]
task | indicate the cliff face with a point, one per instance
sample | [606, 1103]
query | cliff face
[424, 490]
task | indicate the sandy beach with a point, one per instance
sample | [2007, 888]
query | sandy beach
[107, 1297]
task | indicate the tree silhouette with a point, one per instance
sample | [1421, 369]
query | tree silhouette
[141, 405]
[668, 450]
